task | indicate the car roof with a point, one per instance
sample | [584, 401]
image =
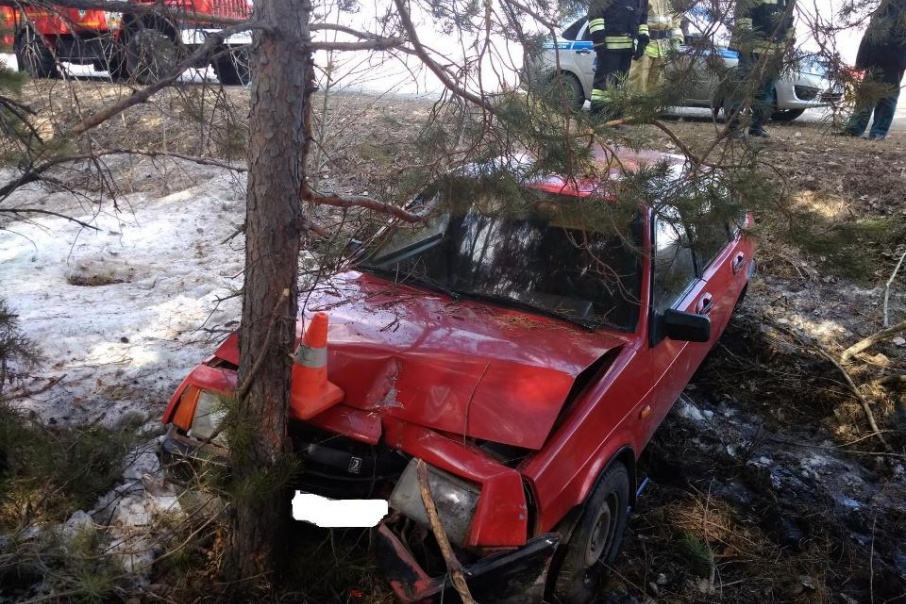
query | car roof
[616, 161]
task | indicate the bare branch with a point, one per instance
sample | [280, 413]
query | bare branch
[357, 201]
[141, 96]
[549, 24]
[457, 574]
[378, 44]
[47, 213]
[420, 51]
[121, 6]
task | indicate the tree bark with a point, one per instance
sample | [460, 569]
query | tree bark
[274, 221]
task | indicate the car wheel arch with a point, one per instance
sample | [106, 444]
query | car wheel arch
[574, 78]
[624, 455]
[567, 565]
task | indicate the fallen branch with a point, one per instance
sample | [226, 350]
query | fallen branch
[457, 574]
[889, 380]
[889, 283]
[23, 392]
[849, 381]
[871, 340]
[862, 400]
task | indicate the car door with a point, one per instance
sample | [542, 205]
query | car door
[703, 68]
[723, 257]
[585, 57]
[676, 284]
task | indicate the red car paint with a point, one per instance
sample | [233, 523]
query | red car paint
[433, 377]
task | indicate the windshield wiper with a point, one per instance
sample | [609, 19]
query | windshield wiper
[528, 306]
[408, 279]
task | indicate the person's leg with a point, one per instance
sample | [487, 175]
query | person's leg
[737, 96]
[767, 71]
[606, 64]
[887, 104]
[639, 74]
[656, 73]
[865, 104]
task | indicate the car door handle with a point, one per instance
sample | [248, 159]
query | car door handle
[583, 51]
[739, 262]
[704, 304]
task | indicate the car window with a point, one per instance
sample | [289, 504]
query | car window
[530, 253]
[674, 266]
[711, 217]
[572, 32]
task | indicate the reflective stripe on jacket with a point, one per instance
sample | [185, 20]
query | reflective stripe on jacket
[619, 20]
[665, 24]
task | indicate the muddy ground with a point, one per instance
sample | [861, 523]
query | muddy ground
[766, 482]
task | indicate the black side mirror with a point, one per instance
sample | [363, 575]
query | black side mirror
[686, 326]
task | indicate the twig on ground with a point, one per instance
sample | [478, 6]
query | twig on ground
[456, 572]
[871, 340]
[849, 382]
[22, 392]
[889, 283]
[862, 400]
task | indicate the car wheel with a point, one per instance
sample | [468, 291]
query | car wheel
[33, 54]
[115, 55]
[232, 67]
[565, 90]
[595, 540]
[151, 54]
[786, 115]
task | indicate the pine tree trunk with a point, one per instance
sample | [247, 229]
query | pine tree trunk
[272, 230]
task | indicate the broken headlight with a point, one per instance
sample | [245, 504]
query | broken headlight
[209, 414]
[454, 498]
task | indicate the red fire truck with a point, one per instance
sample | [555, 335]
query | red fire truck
[138, 45]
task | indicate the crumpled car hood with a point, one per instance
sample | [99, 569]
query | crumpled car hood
[460, 367]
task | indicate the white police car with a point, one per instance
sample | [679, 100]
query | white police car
[705, 66]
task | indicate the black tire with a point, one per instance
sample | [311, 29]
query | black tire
[565, 91]
[595, 540]
[115, 54]
[151, 54]
[232, 67]
[786, 115]
[34, 56]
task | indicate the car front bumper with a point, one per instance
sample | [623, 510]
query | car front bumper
[512, 577]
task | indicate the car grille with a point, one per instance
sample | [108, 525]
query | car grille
[829, 96]
[806, 93]
[341, 468]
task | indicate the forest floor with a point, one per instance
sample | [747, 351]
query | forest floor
[767, 483]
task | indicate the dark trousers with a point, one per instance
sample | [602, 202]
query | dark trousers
[610, 67]
[878, 92]
[754, 81]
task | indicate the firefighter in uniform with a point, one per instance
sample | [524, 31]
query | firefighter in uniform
[764, 30]
[615, 27]
[664, 34]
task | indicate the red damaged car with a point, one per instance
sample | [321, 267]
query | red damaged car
[524, 342]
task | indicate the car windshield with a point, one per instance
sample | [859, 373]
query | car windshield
[536, 254]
